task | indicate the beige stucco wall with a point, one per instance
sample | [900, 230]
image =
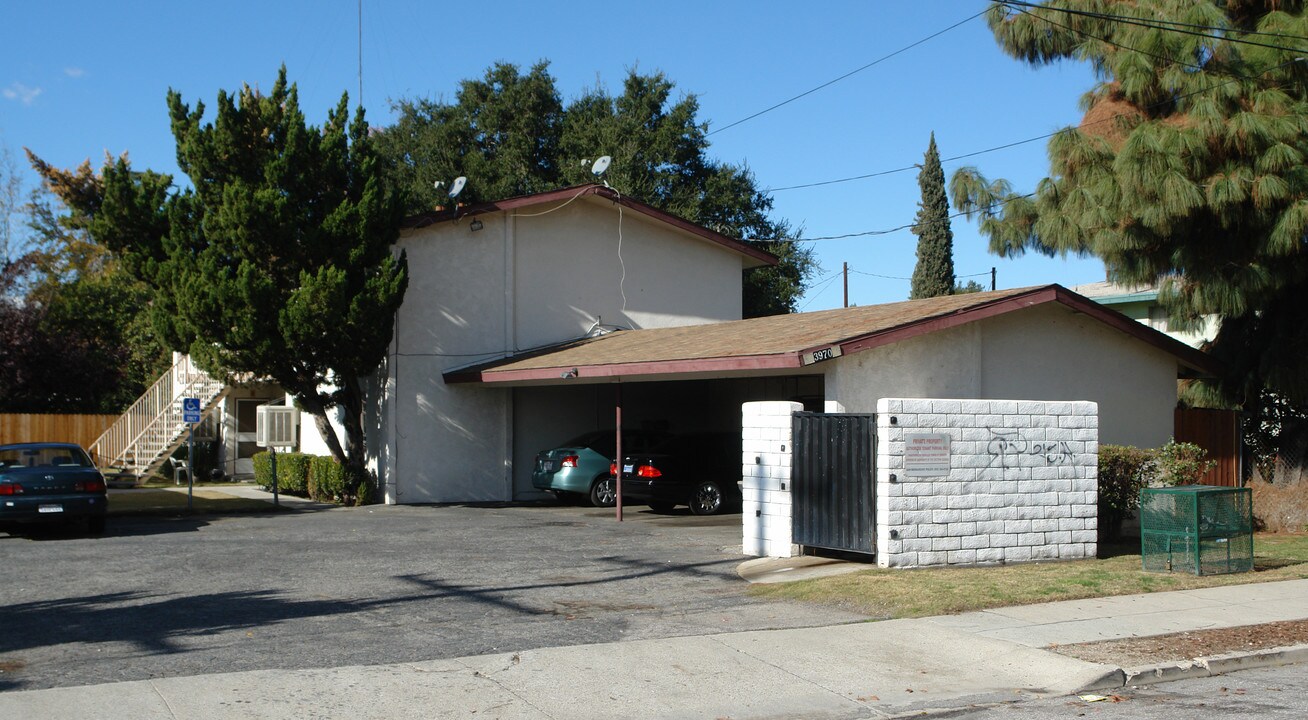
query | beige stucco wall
[1041, 353]
[523, 280]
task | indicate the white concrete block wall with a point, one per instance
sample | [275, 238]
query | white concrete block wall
[1022, 483]
[765, 478]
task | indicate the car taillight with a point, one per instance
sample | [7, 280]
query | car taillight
[648, 471]
[613, 468]
[10, 489]
[569, 461]
[95, 486]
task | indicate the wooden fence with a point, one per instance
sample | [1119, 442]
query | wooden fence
[80, 429]
[1218, 432]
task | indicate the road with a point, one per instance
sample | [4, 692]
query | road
[164, 597]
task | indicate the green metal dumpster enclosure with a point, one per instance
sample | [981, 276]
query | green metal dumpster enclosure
[1196, 529]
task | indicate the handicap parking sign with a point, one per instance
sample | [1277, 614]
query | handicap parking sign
[191, 410]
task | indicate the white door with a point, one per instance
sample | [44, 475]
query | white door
[246, 426]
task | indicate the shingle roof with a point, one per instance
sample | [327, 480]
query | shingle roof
[781, 341]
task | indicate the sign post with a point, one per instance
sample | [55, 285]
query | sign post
[190, 416]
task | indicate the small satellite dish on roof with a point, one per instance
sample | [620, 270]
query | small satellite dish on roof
[601, 165]
[457, 187]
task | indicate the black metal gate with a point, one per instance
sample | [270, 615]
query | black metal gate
[833, 469]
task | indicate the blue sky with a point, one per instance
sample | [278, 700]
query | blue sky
[78, 79]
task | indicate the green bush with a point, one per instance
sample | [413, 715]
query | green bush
[1123, 471]
[263, 470]
[326, 479]
[292, 472]
[1181, 464]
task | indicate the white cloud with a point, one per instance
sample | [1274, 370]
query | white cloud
[20, 92]
[74, 72]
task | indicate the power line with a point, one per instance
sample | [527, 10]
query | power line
[846, 75]
[1045, 136]
[896, 277]
[1126, 20]
[888, 231]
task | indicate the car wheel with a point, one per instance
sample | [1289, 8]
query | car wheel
[603, 493]
[707, 499]
[95, 524]
[661, 507]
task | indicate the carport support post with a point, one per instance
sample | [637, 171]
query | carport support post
[617, 465]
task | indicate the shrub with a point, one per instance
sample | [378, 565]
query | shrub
[293, 473]
[263, 470]
[1123, 470]
[1181, 464]
[326, 479]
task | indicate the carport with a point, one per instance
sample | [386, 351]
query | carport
[1041, 343]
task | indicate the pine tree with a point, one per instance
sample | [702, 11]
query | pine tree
[934, 273]
[1187, 170]
[276, 262]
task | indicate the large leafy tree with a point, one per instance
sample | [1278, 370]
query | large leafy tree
[933, 275]
[276, 262]
[510, 133]
[1187, 169]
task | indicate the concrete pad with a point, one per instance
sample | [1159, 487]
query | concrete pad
[776, 570]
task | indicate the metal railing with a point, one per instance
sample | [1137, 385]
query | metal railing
[143, 436]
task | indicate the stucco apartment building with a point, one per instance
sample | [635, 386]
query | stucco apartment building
[528, 321]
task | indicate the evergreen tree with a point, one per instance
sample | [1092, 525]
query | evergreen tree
[933, 274]
[1187, 170]
[277, 261]
[511, 135]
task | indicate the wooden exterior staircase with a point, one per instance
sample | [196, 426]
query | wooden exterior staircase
[139, 441]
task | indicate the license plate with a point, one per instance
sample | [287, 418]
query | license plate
[50, 508]
[547, 466]
[627, 468]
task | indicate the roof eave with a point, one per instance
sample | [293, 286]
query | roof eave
[755, 257]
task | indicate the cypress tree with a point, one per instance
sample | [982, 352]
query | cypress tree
[934, 273]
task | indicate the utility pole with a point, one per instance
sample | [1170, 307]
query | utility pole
[845, 271]
[992, 278]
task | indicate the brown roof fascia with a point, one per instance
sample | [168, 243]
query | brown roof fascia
[1191, 358]
[941, 322]
[721, 364]
[565, 194]
[1204, 364]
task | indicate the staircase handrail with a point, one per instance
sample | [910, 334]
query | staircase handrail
[183, 375]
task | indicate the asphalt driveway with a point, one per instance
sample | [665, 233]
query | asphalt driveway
[159, 597]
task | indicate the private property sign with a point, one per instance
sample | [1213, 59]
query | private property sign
[926, 455]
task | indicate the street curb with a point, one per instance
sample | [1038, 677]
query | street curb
[1199, 667]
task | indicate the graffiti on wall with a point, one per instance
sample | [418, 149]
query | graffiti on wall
[1007, 447]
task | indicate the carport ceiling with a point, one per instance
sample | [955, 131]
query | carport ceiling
[790, 344]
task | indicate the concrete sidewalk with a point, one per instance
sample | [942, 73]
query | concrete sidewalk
[866, 670]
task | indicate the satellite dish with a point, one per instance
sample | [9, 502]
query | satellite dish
[601, 165]
[457, 187]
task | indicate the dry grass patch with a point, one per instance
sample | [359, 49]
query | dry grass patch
[164, 502]
[888, 594]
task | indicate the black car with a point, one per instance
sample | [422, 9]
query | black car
[699, 470]
[43, 482]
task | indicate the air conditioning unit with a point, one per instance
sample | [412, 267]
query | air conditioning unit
[277, 426]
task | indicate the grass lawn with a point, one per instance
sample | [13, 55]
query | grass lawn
[906, 593]
[167, 502]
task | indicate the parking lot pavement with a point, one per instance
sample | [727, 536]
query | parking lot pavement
[168, 597]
